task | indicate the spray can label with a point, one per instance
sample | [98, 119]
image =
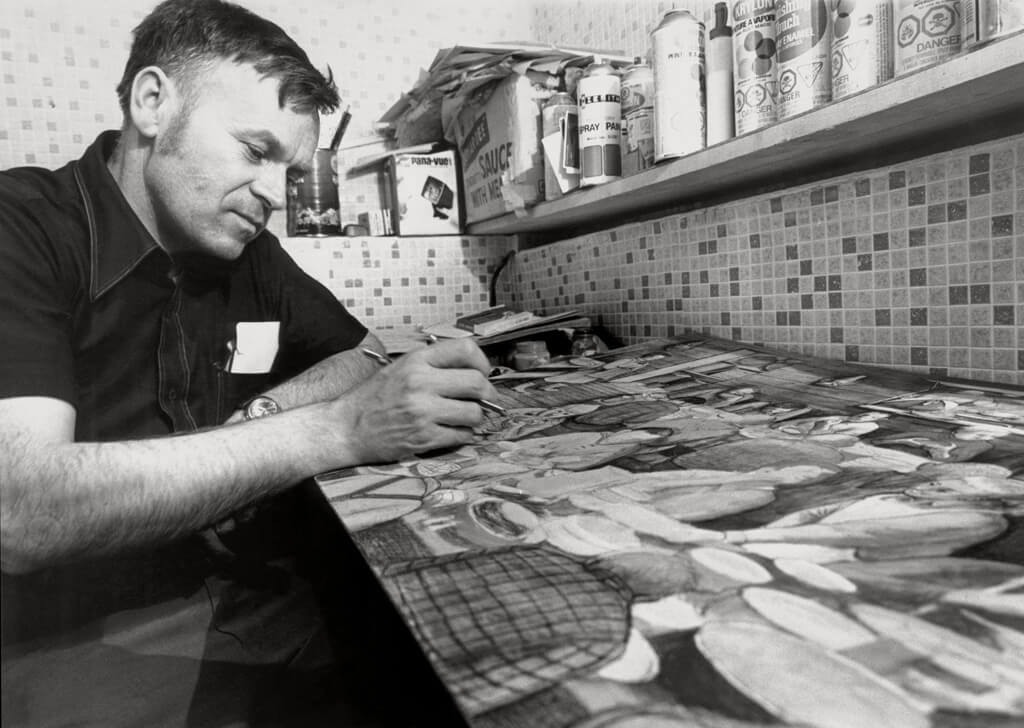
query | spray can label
[600, 125]
[927, 31]
[985, 20]
[755, 64]
[637, 119]
[679, 66]
[861, 45]
[803, 40]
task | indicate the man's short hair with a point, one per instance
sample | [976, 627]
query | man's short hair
[186, 37]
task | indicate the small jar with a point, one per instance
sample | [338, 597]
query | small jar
[584, 343]
[530, 354]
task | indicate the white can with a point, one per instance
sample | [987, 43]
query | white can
[677, 46]
[927, 32]
[755, 66]
[804, 42]
[637, 117]
[600, 126]
[861, 45]
[985, 20]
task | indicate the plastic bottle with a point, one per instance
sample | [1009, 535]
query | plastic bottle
[721, 119]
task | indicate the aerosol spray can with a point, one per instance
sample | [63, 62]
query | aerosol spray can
[927, 31]
[637, 117]
[559, 117]
[598, 95]
[804, 42]
[677, 45]
[985, 20]
[755, 66]
[861, 45]
[721, 120]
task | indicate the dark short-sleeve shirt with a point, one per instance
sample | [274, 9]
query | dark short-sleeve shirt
[93, 312]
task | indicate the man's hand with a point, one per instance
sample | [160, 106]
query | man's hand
[424, 401]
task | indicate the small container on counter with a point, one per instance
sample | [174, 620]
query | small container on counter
[530, 354]
[313, 199]
[584, 343]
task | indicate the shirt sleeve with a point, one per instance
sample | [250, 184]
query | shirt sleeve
[315, 324]
[35, 302]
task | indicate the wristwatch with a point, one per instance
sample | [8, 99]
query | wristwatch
[260, 406]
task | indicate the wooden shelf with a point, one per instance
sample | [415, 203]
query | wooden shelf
[981, 88]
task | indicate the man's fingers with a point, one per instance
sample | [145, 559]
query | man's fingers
[454, 354]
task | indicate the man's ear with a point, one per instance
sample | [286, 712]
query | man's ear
[150, 101]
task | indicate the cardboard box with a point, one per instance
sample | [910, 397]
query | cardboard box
[425, 193]
[500, 150]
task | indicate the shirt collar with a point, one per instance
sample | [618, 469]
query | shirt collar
[118, 240]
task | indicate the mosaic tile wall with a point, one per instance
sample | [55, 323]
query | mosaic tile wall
[918, 266]
[403, 282]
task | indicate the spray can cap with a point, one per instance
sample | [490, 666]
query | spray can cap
[722, 27]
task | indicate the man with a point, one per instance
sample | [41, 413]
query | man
[143, 305]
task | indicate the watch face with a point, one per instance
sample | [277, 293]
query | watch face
[261, 407]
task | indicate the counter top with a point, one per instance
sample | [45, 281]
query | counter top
[693, 531]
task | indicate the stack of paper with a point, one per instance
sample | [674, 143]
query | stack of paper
[505, 329]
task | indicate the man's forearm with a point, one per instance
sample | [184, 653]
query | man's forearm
[64, 500]
[325, 380]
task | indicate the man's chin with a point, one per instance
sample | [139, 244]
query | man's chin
[208, 265]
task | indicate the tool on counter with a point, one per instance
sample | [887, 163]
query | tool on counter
[383, 359]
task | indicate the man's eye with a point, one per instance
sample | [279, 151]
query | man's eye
[255, 152]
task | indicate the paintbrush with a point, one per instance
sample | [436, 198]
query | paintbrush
[346, 117]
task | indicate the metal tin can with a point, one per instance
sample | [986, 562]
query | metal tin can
[985, 20]
[755, 66]
[927, 32]
[598, 95]
[559, 118]
[677, 46]
[637, 117]
[804, 43]
[861, 45]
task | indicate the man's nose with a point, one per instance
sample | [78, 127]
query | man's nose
[271, 186]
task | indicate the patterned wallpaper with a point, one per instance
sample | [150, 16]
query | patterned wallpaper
[918, 266]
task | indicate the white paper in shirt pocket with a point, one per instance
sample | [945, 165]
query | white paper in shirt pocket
[255, 347]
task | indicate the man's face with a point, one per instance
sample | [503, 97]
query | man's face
[220, 169]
